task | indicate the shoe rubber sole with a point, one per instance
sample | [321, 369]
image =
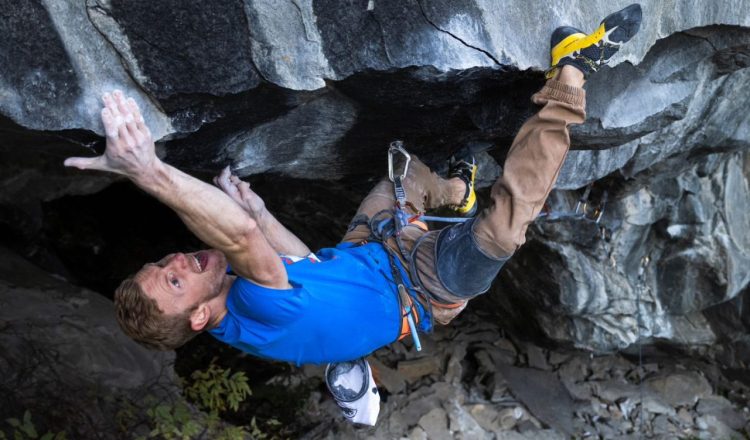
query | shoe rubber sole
[469, 207]
[616, 28]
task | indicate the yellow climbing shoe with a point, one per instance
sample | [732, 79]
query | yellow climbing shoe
[570, 46]
[465, 168]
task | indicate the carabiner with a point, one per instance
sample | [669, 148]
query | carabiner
[395, 148]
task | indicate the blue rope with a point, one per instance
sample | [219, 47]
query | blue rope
[431, 218]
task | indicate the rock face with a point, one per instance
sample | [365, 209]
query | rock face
[64, 357]
[316, 89]
[674, 238]
[487, 387]
[669, 245]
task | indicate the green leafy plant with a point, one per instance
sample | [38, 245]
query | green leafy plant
[174, 422]
[24, 429]
[215, 388]
[257, 433]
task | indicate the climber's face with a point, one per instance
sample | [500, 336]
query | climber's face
[179, 282]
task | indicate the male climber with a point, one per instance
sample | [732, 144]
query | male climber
[343, 303]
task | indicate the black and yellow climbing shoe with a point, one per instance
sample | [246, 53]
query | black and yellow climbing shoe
[465, 168]
[570, 46]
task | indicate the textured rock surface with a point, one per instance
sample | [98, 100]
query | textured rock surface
[63, 352]
[55, 66]
[162, 50]
[316, 89]
[309, 89]
[679, 99]
[482, 394]
[669, 245]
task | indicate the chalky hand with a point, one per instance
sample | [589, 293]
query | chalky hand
[130, 149]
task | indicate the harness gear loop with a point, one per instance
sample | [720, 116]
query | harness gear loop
[409, 316]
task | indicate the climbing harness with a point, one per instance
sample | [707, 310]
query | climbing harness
[390, 223]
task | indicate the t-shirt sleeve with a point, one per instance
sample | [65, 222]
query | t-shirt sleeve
[266, 305]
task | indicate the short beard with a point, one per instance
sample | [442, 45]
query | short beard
[212, 294]
[217, 291]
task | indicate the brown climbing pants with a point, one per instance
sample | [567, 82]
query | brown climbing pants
[530, 171]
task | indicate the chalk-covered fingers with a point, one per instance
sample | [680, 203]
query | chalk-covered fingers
[110, 126]
[250, 198]
[239, 183]
[110, 117]
[239, 191]
[223, 181]
[137, 127]
[125, 119]
[242, 186]
[130, 149]
[112, 120]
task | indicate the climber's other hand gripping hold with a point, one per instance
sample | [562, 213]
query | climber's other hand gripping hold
[240, 192]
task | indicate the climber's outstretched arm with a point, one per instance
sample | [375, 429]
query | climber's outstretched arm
[207, 211]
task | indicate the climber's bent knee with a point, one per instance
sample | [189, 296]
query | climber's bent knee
[462, 267]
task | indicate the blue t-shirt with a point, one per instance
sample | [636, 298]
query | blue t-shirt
[340, 308]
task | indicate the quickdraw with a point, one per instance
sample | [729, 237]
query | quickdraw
[389, 224]
[402, 219]
[584, 210]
